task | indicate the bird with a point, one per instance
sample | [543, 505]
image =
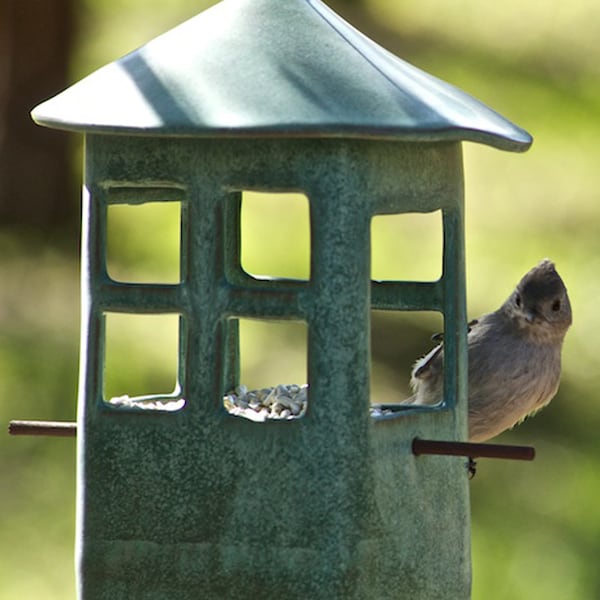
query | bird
[514, 356]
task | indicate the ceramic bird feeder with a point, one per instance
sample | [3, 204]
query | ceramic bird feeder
[180, 498]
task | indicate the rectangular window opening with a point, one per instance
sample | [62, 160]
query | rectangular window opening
[141, 365]
[144, 242]
[275, 235]
[272, 371]
[407, 247]
[401, 344]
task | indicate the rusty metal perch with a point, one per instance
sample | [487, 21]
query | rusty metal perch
[419, 446]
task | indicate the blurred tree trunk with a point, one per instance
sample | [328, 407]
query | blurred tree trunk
[35, 45]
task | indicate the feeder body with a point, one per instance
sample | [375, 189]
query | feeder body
[196, 503]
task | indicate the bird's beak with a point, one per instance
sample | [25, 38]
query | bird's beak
[530, 315]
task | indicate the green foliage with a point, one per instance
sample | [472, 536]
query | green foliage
[536, 527]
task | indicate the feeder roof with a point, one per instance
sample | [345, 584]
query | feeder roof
[273, 68]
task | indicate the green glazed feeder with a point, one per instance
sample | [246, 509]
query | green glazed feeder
[179, 499]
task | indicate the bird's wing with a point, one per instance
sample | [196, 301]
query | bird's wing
[423, 367]
[438, 338]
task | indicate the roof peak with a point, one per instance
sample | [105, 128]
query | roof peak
[273, 67]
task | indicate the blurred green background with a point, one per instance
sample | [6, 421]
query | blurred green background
[536, 526]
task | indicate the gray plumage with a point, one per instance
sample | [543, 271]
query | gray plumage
[514, 356]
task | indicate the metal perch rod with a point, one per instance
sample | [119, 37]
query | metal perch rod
[53, 428]
[419, 446]
[472, 450]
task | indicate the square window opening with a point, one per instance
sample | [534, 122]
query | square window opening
[275, 235]
[407, 247]
[141, 365]
[272, 371]
[144, 242]
[404, 347]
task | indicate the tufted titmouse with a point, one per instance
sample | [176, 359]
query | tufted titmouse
[514, 356]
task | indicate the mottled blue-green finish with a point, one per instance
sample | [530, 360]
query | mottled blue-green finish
[200, 504]
[272, 95]
[264, 67]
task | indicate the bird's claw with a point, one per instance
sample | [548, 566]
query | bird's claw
[472, 467]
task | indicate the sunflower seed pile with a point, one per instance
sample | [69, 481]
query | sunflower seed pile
[147, 402]
[283, 402]
[378, 411]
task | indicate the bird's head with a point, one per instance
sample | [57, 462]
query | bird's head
[540, 303]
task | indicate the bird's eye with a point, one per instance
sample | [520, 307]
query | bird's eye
[556, 305]
[518, 300]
